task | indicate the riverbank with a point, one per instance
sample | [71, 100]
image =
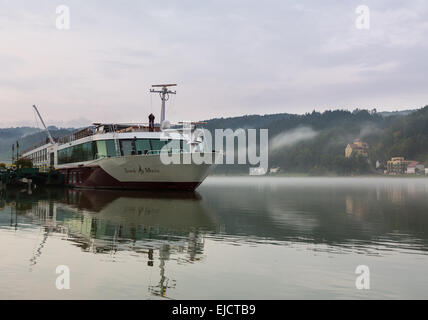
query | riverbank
[306, 175]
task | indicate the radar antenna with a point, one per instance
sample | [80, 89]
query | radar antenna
[164, 93]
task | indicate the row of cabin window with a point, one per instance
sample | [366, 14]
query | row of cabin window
[75, 178]
[106, 148]
[39, 156]
[150, 146]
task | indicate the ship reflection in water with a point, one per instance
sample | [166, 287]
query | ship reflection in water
[261, 238]
[152, 225]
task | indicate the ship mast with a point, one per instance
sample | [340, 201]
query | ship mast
[164, 93]
[46, 129]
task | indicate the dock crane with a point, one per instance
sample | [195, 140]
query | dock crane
[51, 140]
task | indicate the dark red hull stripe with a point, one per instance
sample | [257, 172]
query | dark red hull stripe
[97, 178]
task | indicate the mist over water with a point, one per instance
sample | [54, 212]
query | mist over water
[291, 137]
[250, 237]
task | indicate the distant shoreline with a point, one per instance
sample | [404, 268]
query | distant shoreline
[303, 175]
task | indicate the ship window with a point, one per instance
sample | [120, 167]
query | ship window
[173, 146]
[111, 149]
[142, 146]
[106, 148]
[184, 146]
[102, 149]
[157, 144]
[79, 153]
[126, 147]
[89, 152]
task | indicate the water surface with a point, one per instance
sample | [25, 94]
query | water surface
[235, 238]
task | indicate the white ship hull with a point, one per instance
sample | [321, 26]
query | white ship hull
[136, 172]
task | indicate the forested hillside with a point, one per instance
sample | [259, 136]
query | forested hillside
[312, 143]
[26, 137]
[406, 136]
[8, 137]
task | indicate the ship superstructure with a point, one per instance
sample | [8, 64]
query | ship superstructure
[126, 156]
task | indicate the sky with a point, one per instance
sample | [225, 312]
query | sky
[228, 57]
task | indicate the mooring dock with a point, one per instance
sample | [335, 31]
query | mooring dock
[30, 176]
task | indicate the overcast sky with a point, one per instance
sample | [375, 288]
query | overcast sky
[229, 58]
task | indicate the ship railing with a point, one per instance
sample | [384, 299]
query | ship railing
[87, 132]
[38, 145]
[149, 152]
[123, 128]
[170, 151]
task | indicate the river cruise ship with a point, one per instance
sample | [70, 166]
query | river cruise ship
[127, 156]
